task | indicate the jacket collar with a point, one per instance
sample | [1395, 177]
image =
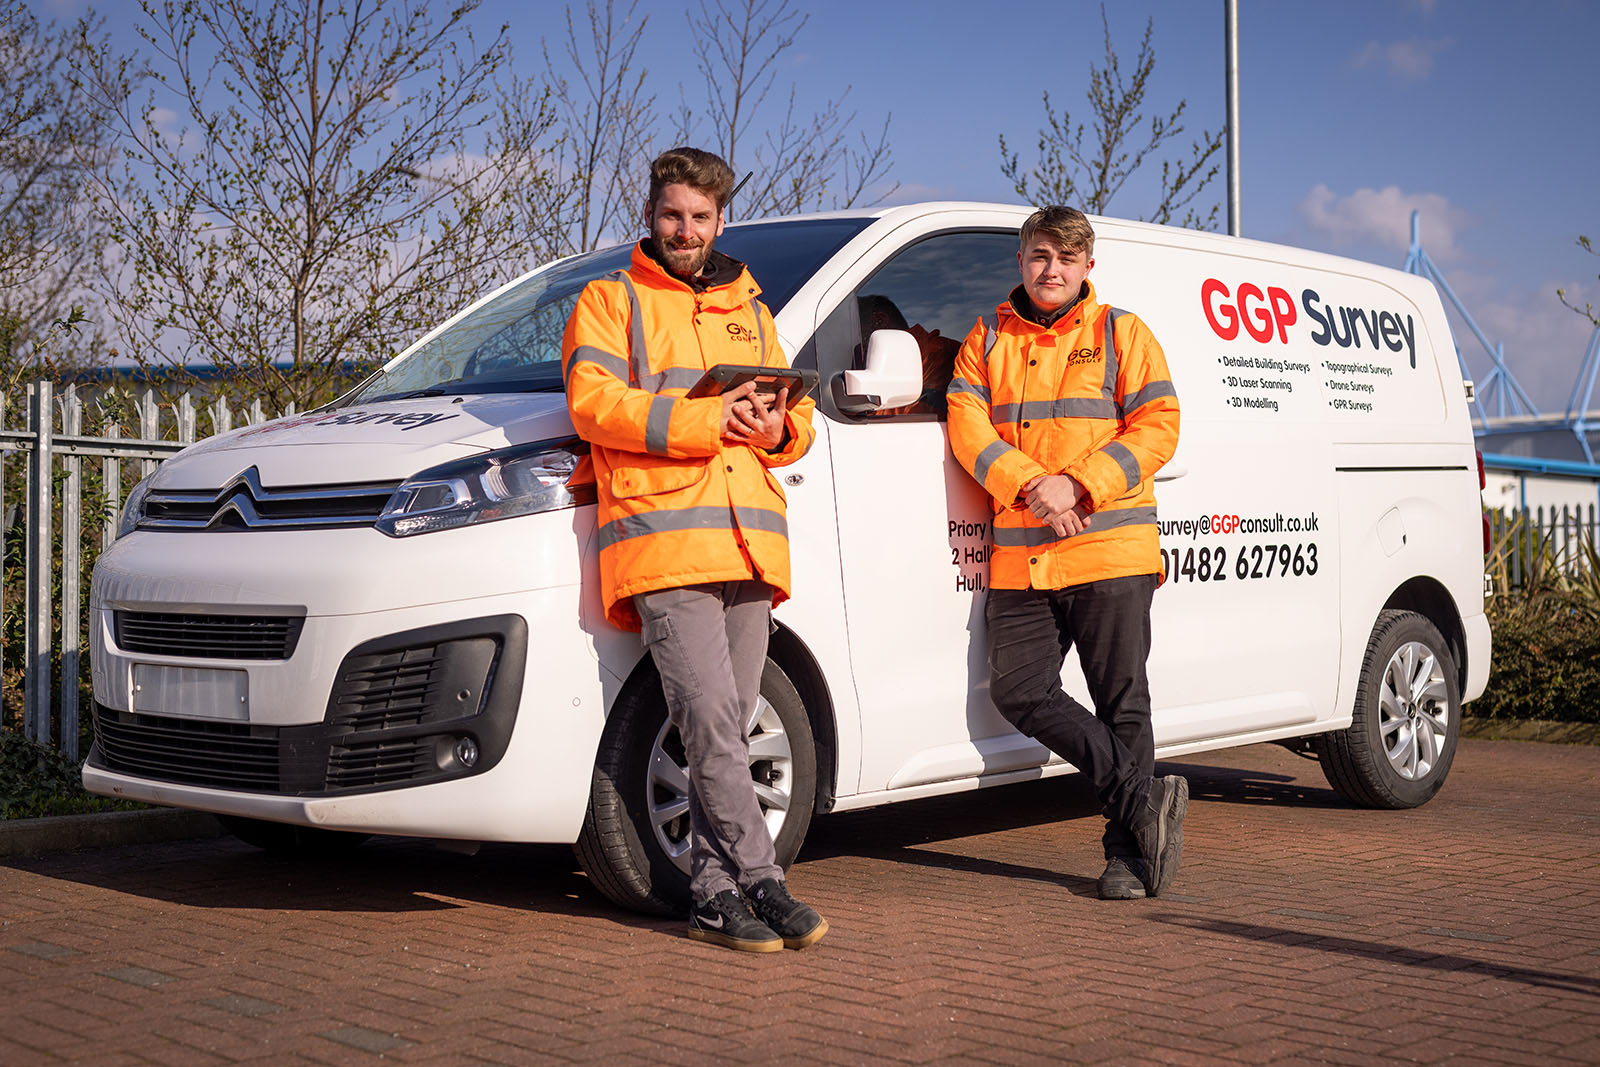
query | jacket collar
[723, 277]
[1020, 309]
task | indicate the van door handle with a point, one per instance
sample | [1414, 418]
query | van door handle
[1171, 472]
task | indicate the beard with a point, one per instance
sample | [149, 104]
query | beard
[684, 258]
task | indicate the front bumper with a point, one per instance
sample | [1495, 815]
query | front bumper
[423, 706]
[415, 718]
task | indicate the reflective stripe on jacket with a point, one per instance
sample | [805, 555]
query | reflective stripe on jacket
[1089, 396]
[677, 504]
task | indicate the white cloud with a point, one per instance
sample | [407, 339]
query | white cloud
[1411, 60]
[1544, 343]
[1383, 217]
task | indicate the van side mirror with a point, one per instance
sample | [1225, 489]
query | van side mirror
[891, 378]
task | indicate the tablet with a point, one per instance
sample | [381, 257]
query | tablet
[769, 380]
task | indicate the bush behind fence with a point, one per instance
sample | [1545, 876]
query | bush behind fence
[1546, 620]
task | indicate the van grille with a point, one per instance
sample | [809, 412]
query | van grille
[260, 759]
[410, 686]
[245, 504]
[221, 754]
[157, 633]
[380, 763]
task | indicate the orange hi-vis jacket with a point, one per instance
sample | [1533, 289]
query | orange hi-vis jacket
[1088, 396]
[678, 504]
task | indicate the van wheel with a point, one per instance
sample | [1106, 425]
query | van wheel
[1402, 734]
[635, 840]
[282, 839]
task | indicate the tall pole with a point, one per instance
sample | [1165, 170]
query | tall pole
[1231, 33]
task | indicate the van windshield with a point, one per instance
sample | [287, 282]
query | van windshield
[512, 344]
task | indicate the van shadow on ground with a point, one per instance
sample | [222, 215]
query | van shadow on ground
[1034, 803]
[403, 875]
[387, 874]
[903, 833]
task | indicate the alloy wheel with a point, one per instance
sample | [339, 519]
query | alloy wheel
[667, 785]
[1414, 710]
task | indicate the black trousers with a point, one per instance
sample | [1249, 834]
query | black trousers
[1030, 633]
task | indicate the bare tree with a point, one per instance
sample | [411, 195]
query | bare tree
[51, 244]
[1089, 171]
[802, 163]
[312, 182]
[1587, 311]
[606, 119]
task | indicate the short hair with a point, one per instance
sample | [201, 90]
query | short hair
[705, 172]
[876, 306]
[1066, 226]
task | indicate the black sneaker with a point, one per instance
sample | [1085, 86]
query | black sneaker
[1123, 879]
[1160, 835]
[798, 924]
[726, 920]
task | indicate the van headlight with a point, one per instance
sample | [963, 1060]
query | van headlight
[133, 509]
[501, 484]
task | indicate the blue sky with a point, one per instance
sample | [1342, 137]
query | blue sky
[1353, 114]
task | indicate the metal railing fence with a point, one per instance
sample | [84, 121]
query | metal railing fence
[1534, 542]
[61, 433]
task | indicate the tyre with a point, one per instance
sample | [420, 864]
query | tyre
[635, 840]
[283, 839]
[1407, 717]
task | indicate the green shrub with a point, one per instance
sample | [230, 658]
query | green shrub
[1545, 666]
[1546, 661]
[37, 780]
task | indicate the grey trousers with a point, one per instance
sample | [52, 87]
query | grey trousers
[710, 644]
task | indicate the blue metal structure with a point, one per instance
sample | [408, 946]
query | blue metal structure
[1498, 386]
[1580, 404]
[1503, 406]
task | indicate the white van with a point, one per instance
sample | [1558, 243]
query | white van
[382, 616]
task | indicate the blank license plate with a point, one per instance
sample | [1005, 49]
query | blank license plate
[191, 692]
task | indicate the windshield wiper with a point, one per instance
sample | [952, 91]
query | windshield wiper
[441, 389]
[434, 391]
[479, 383]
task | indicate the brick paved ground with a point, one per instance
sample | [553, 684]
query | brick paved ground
[963, 929]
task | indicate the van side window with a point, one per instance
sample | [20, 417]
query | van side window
[937, 290]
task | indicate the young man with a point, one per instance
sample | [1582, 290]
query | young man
[1062, 409]
[694, 543]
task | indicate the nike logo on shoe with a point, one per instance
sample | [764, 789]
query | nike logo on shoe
[726, 920]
